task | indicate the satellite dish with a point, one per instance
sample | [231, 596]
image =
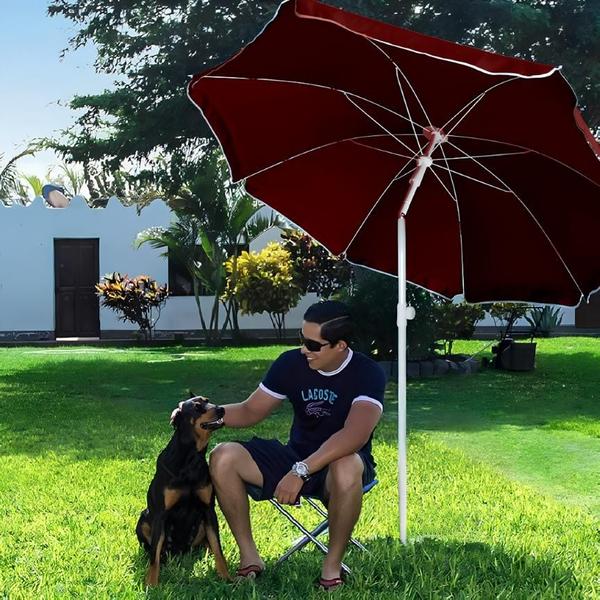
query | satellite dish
[54, 195]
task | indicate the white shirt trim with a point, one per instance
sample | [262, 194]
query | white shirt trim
[340, 368]
[368, 399]
[271, 392]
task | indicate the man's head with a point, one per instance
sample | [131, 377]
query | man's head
[326, 333]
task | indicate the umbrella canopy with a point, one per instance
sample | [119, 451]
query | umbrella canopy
[335, 120]
[326, 114]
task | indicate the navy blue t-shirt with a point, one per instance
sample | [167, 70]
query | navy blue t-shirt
[322, 401]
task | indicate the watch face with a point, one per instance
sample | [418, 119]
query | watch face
[301, 469]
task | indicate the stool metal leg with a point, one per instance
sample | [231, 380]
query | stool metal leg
[304, 540]
[305, 531]
[324, 514]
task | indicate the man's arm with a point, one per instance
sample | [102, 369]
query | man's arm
[258, 406]
[360, 423]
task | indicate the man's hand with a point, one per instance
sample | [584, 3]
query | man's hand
[288, 489]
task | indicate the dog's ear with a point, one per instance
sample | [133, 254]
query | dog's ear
[184, 428]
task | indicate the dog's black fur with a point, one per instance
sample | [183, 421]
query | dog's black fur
[180, 513]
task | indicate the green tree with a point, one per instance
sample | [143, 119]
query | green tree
[11, 188]
[155, 46]
[215, 219]
[264, 282]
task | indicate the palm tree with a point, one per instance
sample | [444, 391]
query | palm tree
[9, 178]
[215, 219]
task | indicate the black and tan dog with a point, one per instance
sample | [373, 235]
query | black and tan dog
[181, 503]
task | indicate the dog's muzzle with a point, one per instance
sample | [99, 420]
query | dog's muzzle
[217, 423]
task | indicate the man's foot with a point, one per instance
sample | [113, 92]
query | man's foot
[249, 572]
[328, 585]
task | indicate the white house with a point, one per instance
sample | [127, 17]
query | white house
[51, 258]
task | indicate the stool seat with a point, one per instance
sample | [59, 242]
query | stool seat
[308, 536]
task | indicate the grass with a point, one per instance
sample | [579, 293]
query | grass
[488, 518]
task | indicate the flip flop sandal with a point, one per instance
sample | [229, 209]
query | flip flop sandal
[249, 572]
[328, 585]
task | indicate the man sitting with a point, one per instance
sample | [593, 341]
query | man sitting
[337, 398]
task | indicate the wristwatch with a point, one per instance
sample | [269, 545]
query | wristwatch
[300, 469]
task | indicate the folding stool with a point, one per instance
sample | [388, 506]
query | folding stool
[309, 536]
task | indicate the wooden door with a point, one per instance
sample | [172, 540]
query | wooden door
[76, 272]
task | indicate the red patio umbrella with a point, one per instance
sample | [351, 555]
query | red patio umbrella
[335, 120]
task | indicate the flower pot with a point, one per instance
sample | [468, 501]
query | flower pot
[515, 356]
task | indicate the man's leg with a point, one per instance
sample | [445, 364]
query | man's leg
[231, 467]
[343, 486]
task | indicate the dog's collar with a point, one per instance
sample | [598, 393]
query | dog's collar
[212, 425]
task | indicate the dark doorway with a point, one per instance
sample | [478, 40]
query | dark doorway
[76, 272]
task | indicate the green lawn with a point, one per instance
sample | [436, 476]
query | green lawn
[503, 499]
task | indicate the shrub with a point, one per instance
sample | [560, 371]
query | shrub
[263, 282]
[138, 299]
[373, 301]
[317, 270]
[508, 313]
[455, 321]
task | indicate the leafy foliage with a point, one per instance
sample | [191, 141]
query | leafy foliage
[264, 282]
[317, 270]
[544, 320]
[155, 46]
[373, 300]
[138, 299]
[455, 321]
[507, 313]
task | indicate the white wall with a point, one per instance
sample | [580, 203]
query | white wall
[27, 255]
[27, 263]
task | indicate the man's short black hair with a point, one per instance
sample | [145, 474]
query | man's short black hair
[335, 320]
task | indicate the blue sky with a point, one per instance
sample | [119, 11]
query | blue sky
[34, 79]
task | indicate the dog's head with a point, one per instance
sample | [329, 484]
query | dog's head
[196, 419]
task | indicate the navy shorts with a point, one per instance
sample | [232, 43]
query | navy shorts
[274, 460]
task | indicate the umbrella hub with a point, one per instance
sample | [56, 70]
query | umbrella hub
[435, 136]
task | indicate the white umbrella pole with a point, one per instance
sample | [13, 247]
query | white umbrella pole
[406, 313]
[401, 320]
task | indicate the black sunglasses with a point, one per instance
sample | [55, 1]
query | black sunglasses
[312, 345]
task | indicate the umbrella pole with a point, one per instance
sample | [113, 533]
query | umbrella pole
[401, 321]
[435, 137]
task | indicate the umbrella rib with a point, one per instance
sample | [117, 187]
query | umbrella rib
[382, 150]
[445, 159]
[556, 160]
[455, 197]
[401, 72]
[347, 96]
[469, 106]
[529, 212]
[507, 191]
[316, 148]
[315, 85]
[399, 175]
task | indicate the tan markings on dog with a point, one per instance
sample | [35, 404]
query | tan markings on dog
[215, 546]
[152, 575]
[205, 494]
[200, 538]
[147, 531]
[172, 497]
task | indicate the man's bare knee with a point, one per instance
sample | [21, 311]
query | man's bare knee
[231, 459]
[345, 473]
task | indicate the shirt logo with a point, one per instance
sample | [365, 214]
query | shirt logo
[313, 394]
[316, 409]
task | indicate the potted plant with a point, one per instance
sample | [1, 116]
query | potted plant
[511, 355]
